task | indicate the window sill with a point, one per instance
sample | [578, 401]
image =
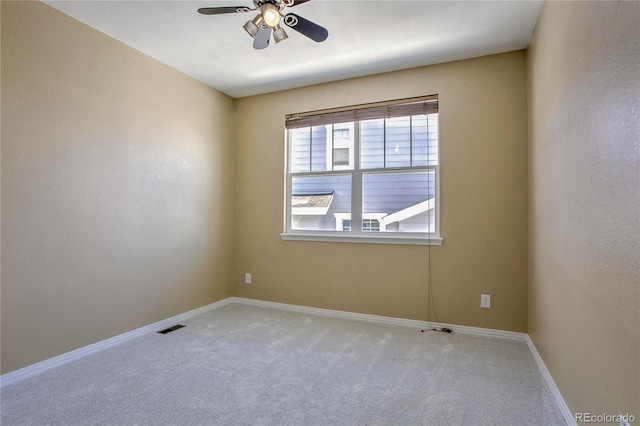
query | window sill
[378, 239]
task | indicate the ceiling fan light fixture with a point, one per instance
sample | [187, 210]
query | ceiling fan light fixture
[279, 34]
[270, 14]
[252, 26]
[267, 21]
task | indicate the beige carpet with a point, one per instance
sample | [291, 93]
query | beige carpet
[244, 365]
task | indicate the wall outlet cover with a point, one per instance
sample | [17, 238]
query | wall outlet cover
[485, 301]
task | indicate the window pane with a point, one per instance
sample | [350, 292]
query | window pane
[372, 144]
[309, 149]
[301, 150]
[398, 142]
[341, 156]
[320, 203]
[341, 135]
[404, 201]
[425, 139]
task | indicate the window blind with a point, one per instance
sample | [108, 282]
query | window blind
[390, 109]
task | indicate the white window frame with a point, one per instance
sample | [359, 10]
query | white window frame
[356, 235]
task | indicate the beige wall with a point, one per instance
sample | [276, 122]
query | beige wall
[117, 187]
[483, 126]
[584, 295]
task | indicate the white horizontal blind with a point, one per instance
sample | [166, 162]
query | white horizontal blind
[391, 109]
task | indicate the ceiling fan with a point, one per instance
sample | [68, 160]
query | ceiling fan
[270, 15]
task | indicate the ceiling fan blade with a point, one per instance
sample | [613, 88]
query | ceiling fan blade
[221, 10]
[262, 38]
[305, 27]
[297, 2]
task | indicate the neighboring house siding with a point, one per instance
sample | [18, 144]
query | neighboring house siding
[415, 223]
[391, 192]
[319, 149]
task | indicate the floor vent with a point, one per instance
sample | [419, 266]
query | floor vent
[170, 329]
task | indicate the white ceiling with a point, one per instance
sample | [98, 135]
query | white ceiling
[365, 37]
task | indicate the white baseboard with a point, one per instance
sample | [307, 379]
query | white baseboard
[566, 413]
[382, 319]
[41, 367]
[32, 370]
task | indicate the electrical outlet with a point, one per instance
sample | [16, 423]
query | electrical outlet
[485, 301]
[247, 278]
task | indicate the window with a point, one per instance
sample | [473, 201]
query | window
[366, 173]
[340, 156]
[370, 225]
